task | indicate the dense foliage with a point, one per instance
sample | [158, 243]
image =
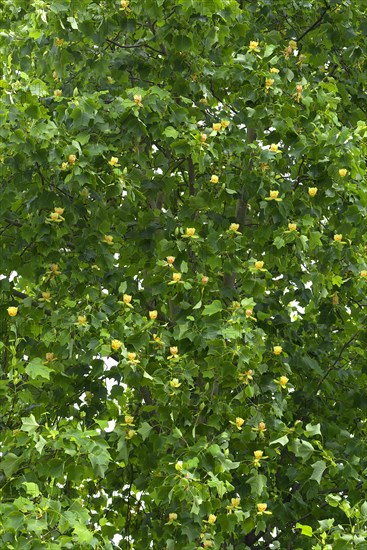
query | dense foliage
[184, 274]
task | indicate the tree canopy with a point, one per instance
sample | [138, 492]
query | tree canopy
[183, 274]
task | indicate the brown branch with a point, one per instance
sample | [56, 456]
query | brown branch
[10, 222]
[191, 171]
[143, 43]
[336, 360]
[314, 25]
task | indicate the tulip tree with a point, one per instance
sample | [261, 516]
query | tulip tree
[183, 274]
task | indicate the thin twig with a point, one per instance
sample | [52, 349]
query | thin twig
[336, 360]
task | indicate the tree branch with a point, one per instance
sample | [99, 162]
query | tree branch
[314, 25]
[336, 360]
[143, 43]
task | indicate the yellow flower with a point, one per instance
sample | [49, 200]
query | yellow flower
[153, 314]
[64, 165]
[258, 454]
[114, 161]
[224, 123]
[46, 296]
[174, 383]
[342, 172]
[274, 147]
[248, 312]
[173, 350]
[217, 126]
[261, 507]
[176, 277]
[116, 345]
[82, 320]
[239, 422]
[277, 350]
[179, 465]
[204, 279]
[212, 518]
[59, 41]
[363, 273]
[312, 191]
[72, 159]
[207, 543]
[269, 82]
[129, 420]
[57, 93]
[59, 210]
[55, 217]
[262, 427]
[259, 264]
[124, 4]
[292, 227]
[190, 231]
[131, 356]
[235, 502]
[130, 434]
[172, 517]
[274, 70]
[54, 268]
[12, 311]
[203, 138]
[234, 226]
[283, 381]
[50, 357]
[292, 44]
[170, 260]
[126, 298]
[214, 179]
[297, 96]
[108, 239]
[338, 237]
[253, 45]
[273, 196]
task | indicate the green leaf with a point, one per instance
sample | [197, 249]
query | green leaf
[36, 368]
[318, 469]
[171, 132]
[31, 489]
[145, 430]
[279, 242]
[305, 529]
[82, 532]
[29, 424]
[313, 429]
[40, 444]
[269, 48]
[257, 483]
[10, 464]
[281, 441]
[364, 509]
[213, 308]
[333, 500]
[302, 449]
